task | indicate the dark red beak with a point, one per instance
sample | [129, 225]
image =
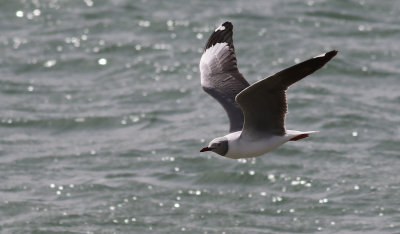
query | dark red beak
[206, 149]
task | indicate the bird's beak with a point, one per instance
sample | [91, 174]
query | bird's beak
[206, 149]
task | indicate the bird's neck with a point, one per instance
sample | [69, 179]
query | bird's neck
[233, 136]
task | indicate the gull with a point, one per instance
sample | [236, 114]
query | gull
[256, 112]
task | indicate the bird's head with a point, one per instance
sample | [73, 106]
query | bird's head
[218, 145]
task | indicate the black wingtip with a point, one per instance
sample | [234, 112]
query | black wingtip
[325, 57]
[228, 25]
[222, 33]
[331, 54]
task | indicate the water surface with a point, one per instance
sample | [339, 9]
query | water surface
[102, 118]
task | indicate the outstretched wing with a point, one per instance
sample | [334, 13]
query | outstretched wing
[220, 76]
[264, 103]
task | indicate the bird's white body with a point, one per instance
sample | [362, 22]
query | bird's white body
[245, 147]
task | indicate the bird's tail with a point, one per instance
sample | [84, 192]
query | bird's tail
[297, 135]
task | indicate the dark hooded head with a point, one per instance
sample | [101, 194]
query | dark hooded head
[218, 145]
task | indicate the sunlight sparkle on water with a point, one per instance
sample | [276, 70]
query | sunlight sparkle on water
[170, 23]
[322, 201]
[36, 12]
[50, 63]
[144, 23]
[271, 177]
[102, 61]
[89, 3]
[79, 120]
[19, 14]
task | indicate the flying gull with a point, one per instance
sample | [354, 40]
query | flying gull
[256, 112]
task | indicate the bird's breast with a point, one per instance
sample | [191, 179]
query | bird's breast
[247, 148]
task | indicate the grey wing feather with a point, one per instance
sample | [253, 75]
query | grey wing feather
[220, 76]
[225, 91]
[264, 103]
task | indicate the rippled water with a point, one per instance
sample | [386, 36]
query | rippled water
[102, 118]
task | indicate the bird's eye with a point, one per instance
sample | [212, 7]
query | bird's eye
[219, 144]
